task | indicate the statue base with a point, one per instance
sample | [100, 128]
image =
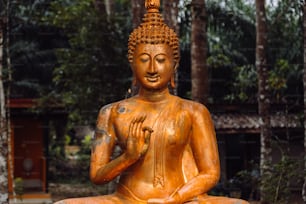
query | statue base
[117, 198]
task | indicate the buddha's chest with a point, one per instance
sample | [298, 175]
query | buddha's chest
[171, 126]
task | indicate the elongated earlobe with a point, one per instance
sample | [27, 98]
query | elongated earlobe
[134, 87]
[172, 80]
[175, 67]
[173, 77]
[134, 81]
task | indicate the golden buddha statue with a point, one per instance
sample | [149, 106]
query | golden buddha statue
[169, 149]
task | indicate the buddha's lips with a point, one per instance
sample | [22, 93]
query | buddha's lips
[154, 78]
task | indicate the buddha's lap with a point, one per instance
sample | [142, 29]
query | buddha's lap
[115, 199]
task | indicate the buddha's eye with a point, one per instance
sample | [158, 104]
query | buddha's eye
[144, 58]
[161, 59]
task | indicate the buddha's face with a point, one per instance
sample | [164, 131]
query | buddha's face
[153, 65]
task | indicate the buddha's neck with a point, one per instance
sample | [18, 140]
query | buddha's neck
[154, 96]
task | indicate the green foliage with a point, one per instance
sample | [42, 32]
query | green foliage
[83, 73]
[285, 31]
[67, 139]
[277, 187]
[233, 27]
[82, 167]
[231, 40]
[86, 145]
[93, 69]
[231, 43]
[218, 58]
[245, 84]
[285, 49]
[18, 188]
[246, 181]
[231, 37]
[31, 49]
[278, 78]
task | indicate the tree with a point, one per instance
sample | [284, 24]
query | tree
[104, 7]
[138, 10]
[231, 45]
[304, 81]
[108, 6]
[100, 6]
[32, 49]
[170, 14]
[285, 52]
[93, 68]
[199, 69]
[263, 97]
[3, 124]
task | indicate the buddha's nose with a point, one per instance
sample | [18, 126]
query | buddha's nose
[152, 69]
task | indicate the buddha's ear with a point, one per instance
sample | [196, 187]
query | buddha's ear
[176, 64]
[134, 80]
[172, 81]
[133, 69]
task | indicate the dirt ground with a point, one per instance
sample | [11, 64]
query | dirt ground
[62, 191]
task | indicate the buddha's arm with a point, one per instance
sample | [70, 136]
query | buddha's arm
[102, 168]
[204, 147]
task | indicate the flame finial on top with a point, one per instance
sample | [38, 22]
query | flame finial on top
[152, 6]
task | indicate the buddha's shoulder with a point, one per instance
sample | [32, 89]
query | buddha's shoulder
[115, 106]
[191, 106]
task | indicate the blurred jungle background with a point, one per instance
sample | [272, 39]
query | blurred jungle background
[62, 60]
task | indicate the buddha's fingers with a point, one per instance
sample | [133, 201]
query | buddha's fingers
[147, 134]
[146, 128]
[136, 139]
[139, 134]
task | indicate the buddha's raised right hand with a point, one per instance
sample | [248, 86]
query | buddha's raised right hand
[138, 138]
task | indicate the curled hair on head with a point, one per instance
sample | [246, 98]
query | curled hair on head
[153, 30]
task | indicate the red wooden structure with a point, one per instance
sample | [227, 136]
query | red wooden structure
[29, 148]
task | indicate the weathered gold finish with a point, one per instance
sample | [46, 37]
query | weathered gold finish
[169, 149]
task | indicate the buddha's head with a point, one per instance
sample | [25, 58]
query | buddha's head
[153, 31]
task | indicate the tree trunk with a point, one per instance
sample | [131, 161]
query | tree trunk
[170, 14]
[104, 7]
[304, 81]
[199, 69]
[3, 127]
[138, 11]
[100, 6]
[263, 96]
[108, 6]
